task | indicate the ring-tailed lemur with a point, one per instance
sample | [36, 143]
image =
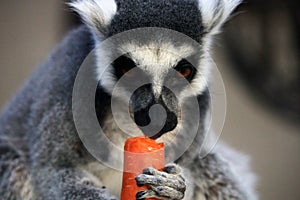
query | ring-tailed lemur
[41, 155]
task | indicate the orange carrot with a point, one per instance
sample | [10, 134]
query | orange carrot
[140, 153]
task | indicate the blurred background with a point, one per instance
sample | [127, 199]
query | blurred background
[258, 55]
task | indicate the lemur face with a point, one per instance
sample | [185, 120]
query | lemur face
[166, 71]
[163, 75]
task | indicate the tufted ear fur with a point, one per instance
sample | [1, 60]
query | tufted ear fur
[96, 14]
[215, 13]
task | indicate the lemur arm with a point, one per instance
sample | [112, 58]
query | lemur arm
[56, 158]
[53, 149]
[67, 183]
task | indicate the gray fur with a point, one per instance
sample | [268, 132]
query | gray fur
[182, 16]
[41, 155]
[37, 130]
[215, 179]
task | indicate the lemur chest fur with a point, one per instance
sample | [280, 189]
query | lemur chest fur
[102, 175]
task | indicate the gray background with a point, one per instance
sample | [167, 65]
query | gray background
[31, 28]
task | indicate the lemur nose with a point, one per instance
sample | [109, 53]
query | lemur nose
[170, 124]
[156, 120]
[141, 117]
[154, 116]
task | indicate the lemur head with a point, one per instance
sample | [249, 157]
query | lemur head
[160, 59]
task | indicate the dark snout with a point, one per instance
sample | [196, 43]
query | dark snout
[154, 116]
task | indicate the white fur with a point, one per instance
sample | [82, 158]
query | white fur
[104, 69]
[21, 181]
[157, 59]
[97, 14]
[216, 12]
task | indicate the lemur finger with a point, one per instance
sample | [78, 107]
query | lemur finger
[167, 192]
[145, 194]
[177, 184]
[148, 194]
[155, 172]
[172, 169]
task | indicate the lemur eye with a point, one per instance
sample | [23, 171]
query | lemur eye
[123, 67]
[185, 70]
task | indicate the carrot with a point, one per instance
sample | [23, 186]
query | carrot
[139, 153]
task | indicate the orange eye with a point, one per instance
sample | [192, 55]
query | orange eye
[184, 72]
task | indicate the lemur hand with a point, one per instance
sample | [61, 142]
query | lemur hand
[165, 185]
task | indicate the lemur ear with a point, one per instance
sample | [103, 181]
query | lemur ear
[215, 13]
[96, 14]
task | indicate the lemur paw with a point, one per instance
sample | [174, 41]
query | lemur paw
[166, 185]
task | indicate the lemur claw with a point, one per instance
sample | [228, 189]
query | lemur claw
[166, 184]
